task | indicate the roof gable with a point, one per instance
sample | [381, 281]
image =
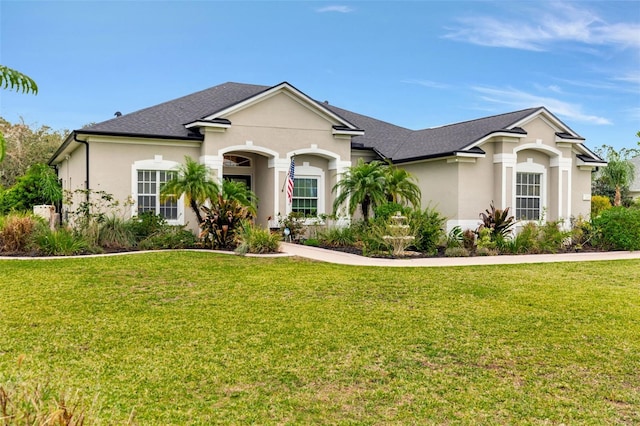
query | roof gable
[290, 91]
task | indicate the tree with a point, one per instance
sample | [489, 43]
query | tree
[194, 180]
[400, 186]
[362, 185]
[39, 185]
[26, 145]
[617, 175]
[14, 80]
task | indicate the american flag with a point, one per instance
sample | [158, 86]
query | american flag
[290, 177]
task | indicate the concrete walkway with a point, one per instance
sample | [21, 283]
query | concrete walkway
[331, 256]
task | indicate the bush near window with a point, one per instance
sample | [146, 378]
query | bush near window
[256, 240]
[618, 229]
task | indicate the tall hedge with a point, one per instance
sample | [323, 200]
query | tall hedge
[618, 229]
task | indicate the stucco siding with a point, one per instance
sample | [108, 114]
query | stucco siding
[477, 186]
[438, 181]
[581, 192]
[281, 124]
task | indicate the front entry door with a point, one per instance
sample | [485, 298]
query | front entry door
[239, 178]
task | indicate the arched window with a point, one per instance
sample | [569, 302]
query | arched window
[231, 160]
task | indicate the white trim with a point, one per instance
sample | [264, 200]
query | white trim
[290, 91]
[495, 135]
[305, 171]
[567, 141]
[209, 124]
[530, 167]
[334, 159]
[348, 132]
[133, 140]
[249, 147]
[538, 146]
[157, 164]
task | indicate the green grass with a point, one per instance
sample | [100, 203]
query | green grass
[202, 338]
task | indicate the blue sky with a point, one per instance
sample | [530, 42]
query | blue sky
[414, 64]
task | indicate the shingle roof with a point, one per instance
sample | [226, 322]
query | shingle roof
[397, 143]
[167, 119]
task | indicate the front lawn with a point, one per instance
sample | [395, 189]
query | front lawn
[204, 338]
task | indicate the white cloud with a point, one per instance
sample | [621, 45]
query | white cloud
[427, 83]
[521, 100]
[561, 22]
[335, 8]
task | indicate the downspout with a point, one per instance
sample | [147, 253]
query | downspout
[86, 144]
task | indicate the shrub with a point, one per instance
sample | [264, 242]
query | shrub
[455, 238]
[484, 239]
[429, 227]
[222, 221]
[581, 232]
[498, 221]
[523, 242]
[295, 222]
[145, 224]
[338, 237]
[312, 242]
[486, 251]
[39, 185]
[385, 211]
[59, 242]
[16, 231]
[469, 240]
[458, 251]
[618, 229]
[115, 233]
[169, 237]
[551, 238]
[257, 240]
[599, 203]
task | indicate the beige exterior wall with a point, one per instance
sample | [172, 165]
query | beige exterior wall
[272, 130]
[462, 187]
[268, 132]
[438, 181]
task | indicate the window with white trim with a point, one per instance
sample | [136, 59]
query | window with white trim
[305, 196]
[149, 185]
[528, 196]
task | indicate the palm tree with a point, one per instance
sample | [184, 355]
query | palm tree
[238, 192]
[618, 174]
[400, 186]
[362, 185]
[619, 171]
[194, 180]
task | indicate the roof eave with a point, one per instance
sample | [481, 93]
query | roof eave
[498, 133]
[451, 154]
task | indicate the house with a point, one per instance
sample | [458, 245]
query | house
[528, 160]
